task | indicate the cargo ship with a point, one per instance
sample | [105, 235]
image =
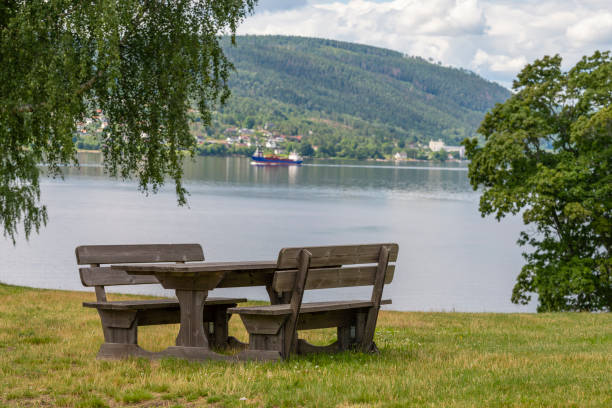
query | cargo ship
[272, 159]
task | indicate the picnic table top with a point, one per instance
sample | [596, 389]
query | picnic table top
[196, 267]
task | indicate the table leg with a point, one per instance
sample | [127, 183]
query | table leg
[191, 332]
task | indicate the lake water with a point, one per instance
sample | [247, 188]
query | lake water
[450, 258]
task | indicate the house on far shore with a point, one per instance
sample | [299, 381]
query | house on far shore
[400, 156]
[435, 146]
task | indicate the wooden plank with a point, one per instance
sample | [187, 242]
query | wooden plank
[330, 318]
[152, 317]
[313, 307]
[370, 324]
[296, 301]
[222, 301]
[107, 254]
[270, 310]
[262, 342]
[123, 319]
[122, 350]
[237, 279]
[259, 355]
[100, 294]
[134, 304]
[263, 324]
[331, 277]
[192, 353]
[344, 337]
[198, 282]
[199, 267]
[339, 305]
[105, 276]
[220, 334]
[336, 255]
[157, 303]
[360, 326]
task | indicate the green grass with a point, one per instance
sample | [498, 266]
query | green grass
[48, 344]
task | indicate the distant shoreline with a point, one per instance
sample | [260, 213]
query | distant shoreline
[324, 158]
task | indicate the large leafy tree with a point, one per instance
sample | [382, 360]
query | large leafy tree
[548, 154]
[142, 62]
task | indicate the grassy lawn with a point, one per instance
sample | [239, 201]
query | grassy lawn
[48, 344]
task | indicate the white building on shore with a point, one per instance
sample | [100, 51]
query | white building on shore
[435, 146]
[400, 156]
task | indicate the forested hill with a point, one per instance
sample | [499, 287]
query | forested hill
[324, 88]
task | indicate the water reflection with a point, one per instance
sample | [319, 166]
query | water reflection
[450, 258]
[441, 180]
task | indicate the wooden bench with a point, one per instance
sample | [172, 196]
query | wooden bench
[273, 328]
[120, 319]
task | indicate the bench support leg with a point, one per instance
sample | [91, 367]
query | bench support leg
[120, 329]
[367, 343]
[270, 342]
[359, 342]
[267, 335]
[119, 326]
[344, 337]
[264, 347]
[360, 321]
[216, 325]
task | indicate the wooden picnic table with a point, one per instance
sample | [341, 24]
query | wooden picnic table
[192, 282]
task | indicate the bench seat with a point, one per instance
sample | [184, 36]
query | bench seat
[313, 307]
[156, 303]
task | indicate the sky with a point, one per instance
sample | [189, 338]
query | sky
[494, 38]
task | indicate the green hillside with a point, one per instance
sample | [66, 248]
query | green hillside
[330, 90]
[344, 100]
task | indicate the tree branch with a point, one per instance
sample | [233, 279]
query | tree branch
[85, 86]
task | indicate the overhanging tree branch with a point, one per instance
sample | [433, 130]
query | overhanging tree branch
[174, 52]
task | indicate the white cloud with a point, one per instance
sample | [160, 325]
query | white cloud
[496, 38]
[498, 63]
[596, 29]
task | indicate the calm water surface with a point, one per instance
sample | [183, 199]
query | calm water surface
[450, 258]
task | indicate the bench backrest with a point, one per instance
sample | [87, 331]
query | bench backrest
[100, 276]
[334, 266]
[304, 268]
